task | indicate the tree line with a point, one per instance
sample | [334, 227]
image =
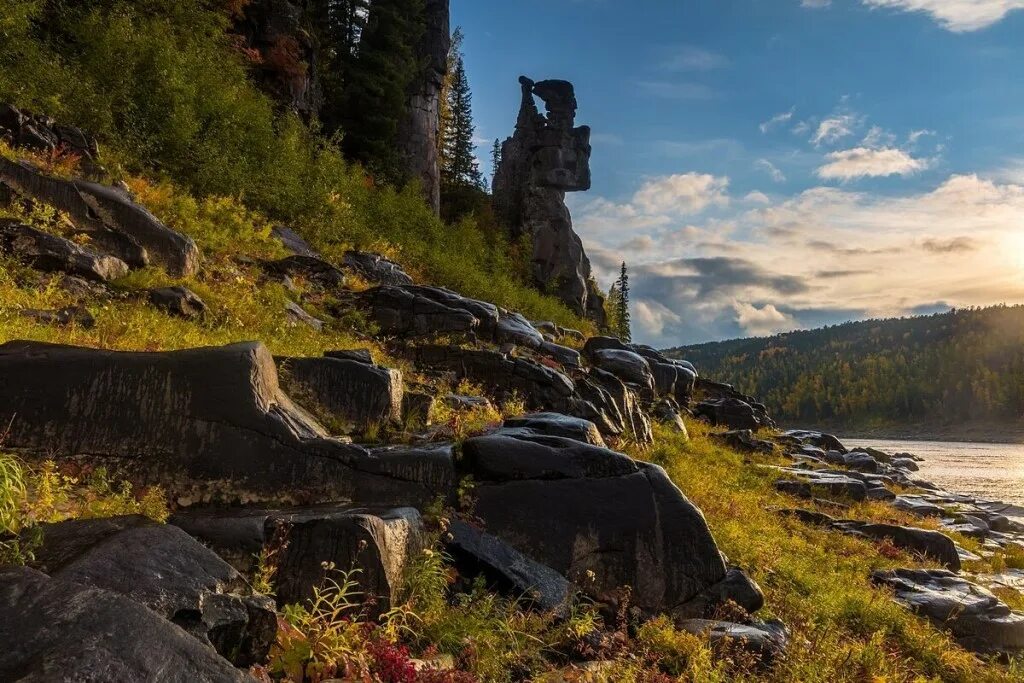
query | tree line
[966, 364]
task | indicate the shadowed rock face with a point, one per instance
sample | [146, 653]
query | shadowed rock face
[114, 223]
[418, 133]
[215, 415]
[58, 630]
[545, 158]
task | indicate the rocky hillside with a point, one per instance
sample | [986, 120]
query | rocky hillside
[232, 455]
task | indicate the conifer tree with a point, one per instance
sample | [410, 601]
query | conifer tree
[340, 25]
[495, 159]
[460, 167]
[612, 309]
[377, 83]
[622, 306]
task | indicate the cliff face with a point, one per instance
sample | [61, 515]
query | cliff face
[545, 158]
[418, 135]
[285, 33]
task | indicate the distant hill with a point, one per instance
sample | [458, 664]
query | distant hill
[964, 365]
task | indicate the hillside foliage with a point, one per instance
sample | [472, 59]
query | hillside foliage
[961, 365]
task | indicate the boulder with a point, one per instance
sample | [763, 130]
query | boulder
[513, 328]
[109, 216]
[619, 522]
[311, 268]
[554, 424]
[506, 570]
[666, 412]
[817, 439]
[164, 569]
[766, 640]
[918, 506]
[570, 358]
[377, 541]
[71, 315]
[410, 311]
[349, 395]
[595, 344]
[627, 366]
[43, 134]
[979, 620]
[215, 416]
[635, 421]
[736, 587]
[299, 315]
[458, 402]
[729, 412]
[417, 407]
[55, 254]
[57, 630]
[293, 242]
[358, 355]
[743, 440]
[179, 301]
[375, 268]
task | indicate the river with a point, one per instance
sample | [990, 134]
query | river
[987, 470]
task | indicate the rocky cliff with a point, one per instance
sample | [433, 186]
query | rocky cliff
[546, 157]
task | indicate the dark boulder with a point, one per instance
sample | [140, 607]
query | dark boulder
[595, 344]
[71, 315]
[299, 315]
[293, 242]
[349, 395]
[164, 569]
[979, 620]
[409, 311]
[917, 505]
[506, 570]
[570, 358]
[619, 522]
[311, 268]
[512, 328]
[743, 440]
[817, 439]
[554, 424]
[358, 355]
[627, 366]
[417, 407]
[375, 268]
[179, 301]
[55, 254]
[635, 420]
[729, 412]
[43, 134]
[57, 630]
[378, 541]
[108, 215]
[458, 402]
[736, 587]
[666, 411]
[932, 544]
[214, 416]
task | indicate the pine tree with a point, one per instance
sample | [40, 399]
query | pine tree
[495, 159]
[445, 110]
[376, 86]
[460, 167]
[612, 309]
[340, 25]
[622, 304]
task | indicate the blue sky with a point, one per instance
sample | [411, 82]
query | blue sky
[766, 165]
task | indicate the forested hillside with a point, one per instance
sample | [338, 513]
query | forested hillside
[956, 366]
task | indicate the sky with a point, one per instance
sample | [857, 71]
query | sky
[769, 165]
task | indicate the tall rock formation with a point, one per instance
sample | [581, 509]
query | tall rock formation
[545, 158]
[418, 134]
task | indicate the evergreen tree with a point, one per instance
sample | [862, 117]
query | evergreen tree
[495, 159]
[460, 167]
[340, 25]
[612, 310]
[445, 110]
[377, 84]
[622, 306]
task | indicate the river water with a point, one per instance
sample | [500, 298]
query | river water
[987, 470]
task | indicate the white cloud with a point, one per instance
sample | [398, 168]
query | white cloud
[692, 58]
[764, 321]
[653, 317]
[777, 120]
[773, 171]
[862, 162]
[956, 15]
[834, 129]
[682, 193]
[816, 4]
[757, 197]
[878, 137]
[916, 135]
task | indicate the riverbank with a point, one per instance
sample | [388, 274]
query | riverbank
[976, 432]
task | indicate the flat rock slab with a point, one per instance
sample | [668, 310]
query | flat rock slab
[979, 620]
[556, 424]
[766, 640]
[57, 630]
[376, 268]
[212, 416]
[507, 570]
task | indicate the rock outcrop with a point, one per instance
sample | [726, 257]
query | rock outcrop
[43, 134]
[114, 223]
[545, 158]
[48, 252]
[215, 416]
[418, 133]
